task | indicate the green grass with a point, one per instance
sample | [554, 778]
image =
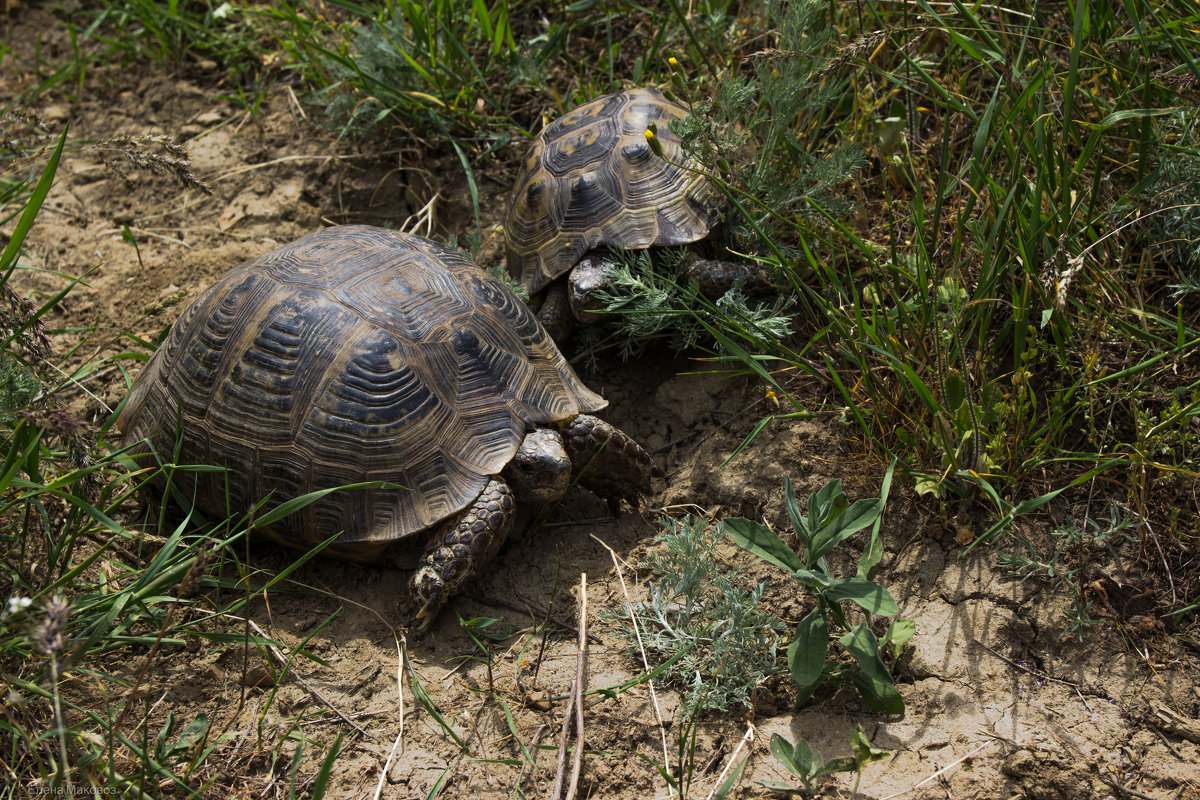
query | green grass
[985, 218]
[999, 317]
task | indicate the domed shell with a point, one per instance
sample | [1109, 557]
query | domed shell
[590, 179]
[353, 354]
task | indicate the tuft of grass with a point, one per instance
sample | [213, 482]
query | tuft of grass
[93, 608]
[206, 35]
[420, 66]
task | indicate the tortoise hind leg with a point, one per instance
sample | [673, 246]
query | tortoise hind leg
[459, 547]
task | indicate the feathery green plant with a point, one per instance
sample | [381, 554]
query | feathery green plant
[705, 612]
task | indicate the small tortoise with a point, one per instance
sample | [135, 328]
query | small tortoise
[591, 181]
[357, 354]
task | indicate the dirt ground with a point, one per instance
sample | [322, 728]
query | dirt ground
[1001, 702]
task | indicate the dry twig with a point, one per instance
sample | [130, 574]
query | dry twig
[940, 772]
[387, 764]
[662, 728]
[574, 708]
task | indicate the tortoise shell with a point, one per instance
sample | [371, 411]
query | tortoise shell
[590, 179]
[353, 354]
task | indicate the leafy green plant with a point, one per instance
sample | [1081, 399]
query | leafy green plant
[702, 620]
[650, 302]
[807, 764]
[981, 317]
[831, 520]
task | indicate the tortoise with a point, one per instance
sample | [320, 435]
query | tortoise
[358, 354]
[590, 181]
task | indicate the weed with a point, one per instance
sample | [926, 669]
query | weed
[1172, 224]
[980, 312]
[649, 301]
[807, 764]
[831, 520]
[1072, 553]
[708, 614]
[421, 65]
[93, 607]
[226, 35]
[158, 153]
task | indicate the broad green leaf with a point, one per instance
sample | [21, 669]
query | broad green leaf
[799, 524]
[955, 391]
[864, 753]
[898, 634]
[762, 542]
[824, 505]
[872, 678]
[813, 579]
[195, 732]
[806, 653]
[873, 552]
[933, 486]
[840, 764]
[858, 516]
[784, 753]
[779, 786]
[873, 598]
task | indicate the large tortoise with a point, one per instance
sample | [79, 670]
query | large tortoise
[357, 354]
[592, 181]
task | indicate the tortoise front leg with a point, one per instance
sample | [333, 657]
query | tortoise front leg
[555, 312]
[607, 460]
[458, 548]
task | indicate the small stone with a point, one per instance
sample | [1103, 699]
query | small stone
[257, 676]
[538, 701]
[55, 113]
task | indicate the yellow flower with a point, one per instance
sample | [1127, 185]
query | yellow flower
[652, 140]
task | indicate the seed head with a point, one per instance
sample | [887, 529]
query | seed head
[190, 585]
[50, 634]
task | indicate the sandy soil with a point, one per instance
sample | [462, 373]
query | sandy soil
[1001, 703]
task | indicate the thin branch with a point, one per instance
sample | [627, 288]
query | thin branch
[574, 708]
[396, 745]
[637, 631]
[940, 772]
